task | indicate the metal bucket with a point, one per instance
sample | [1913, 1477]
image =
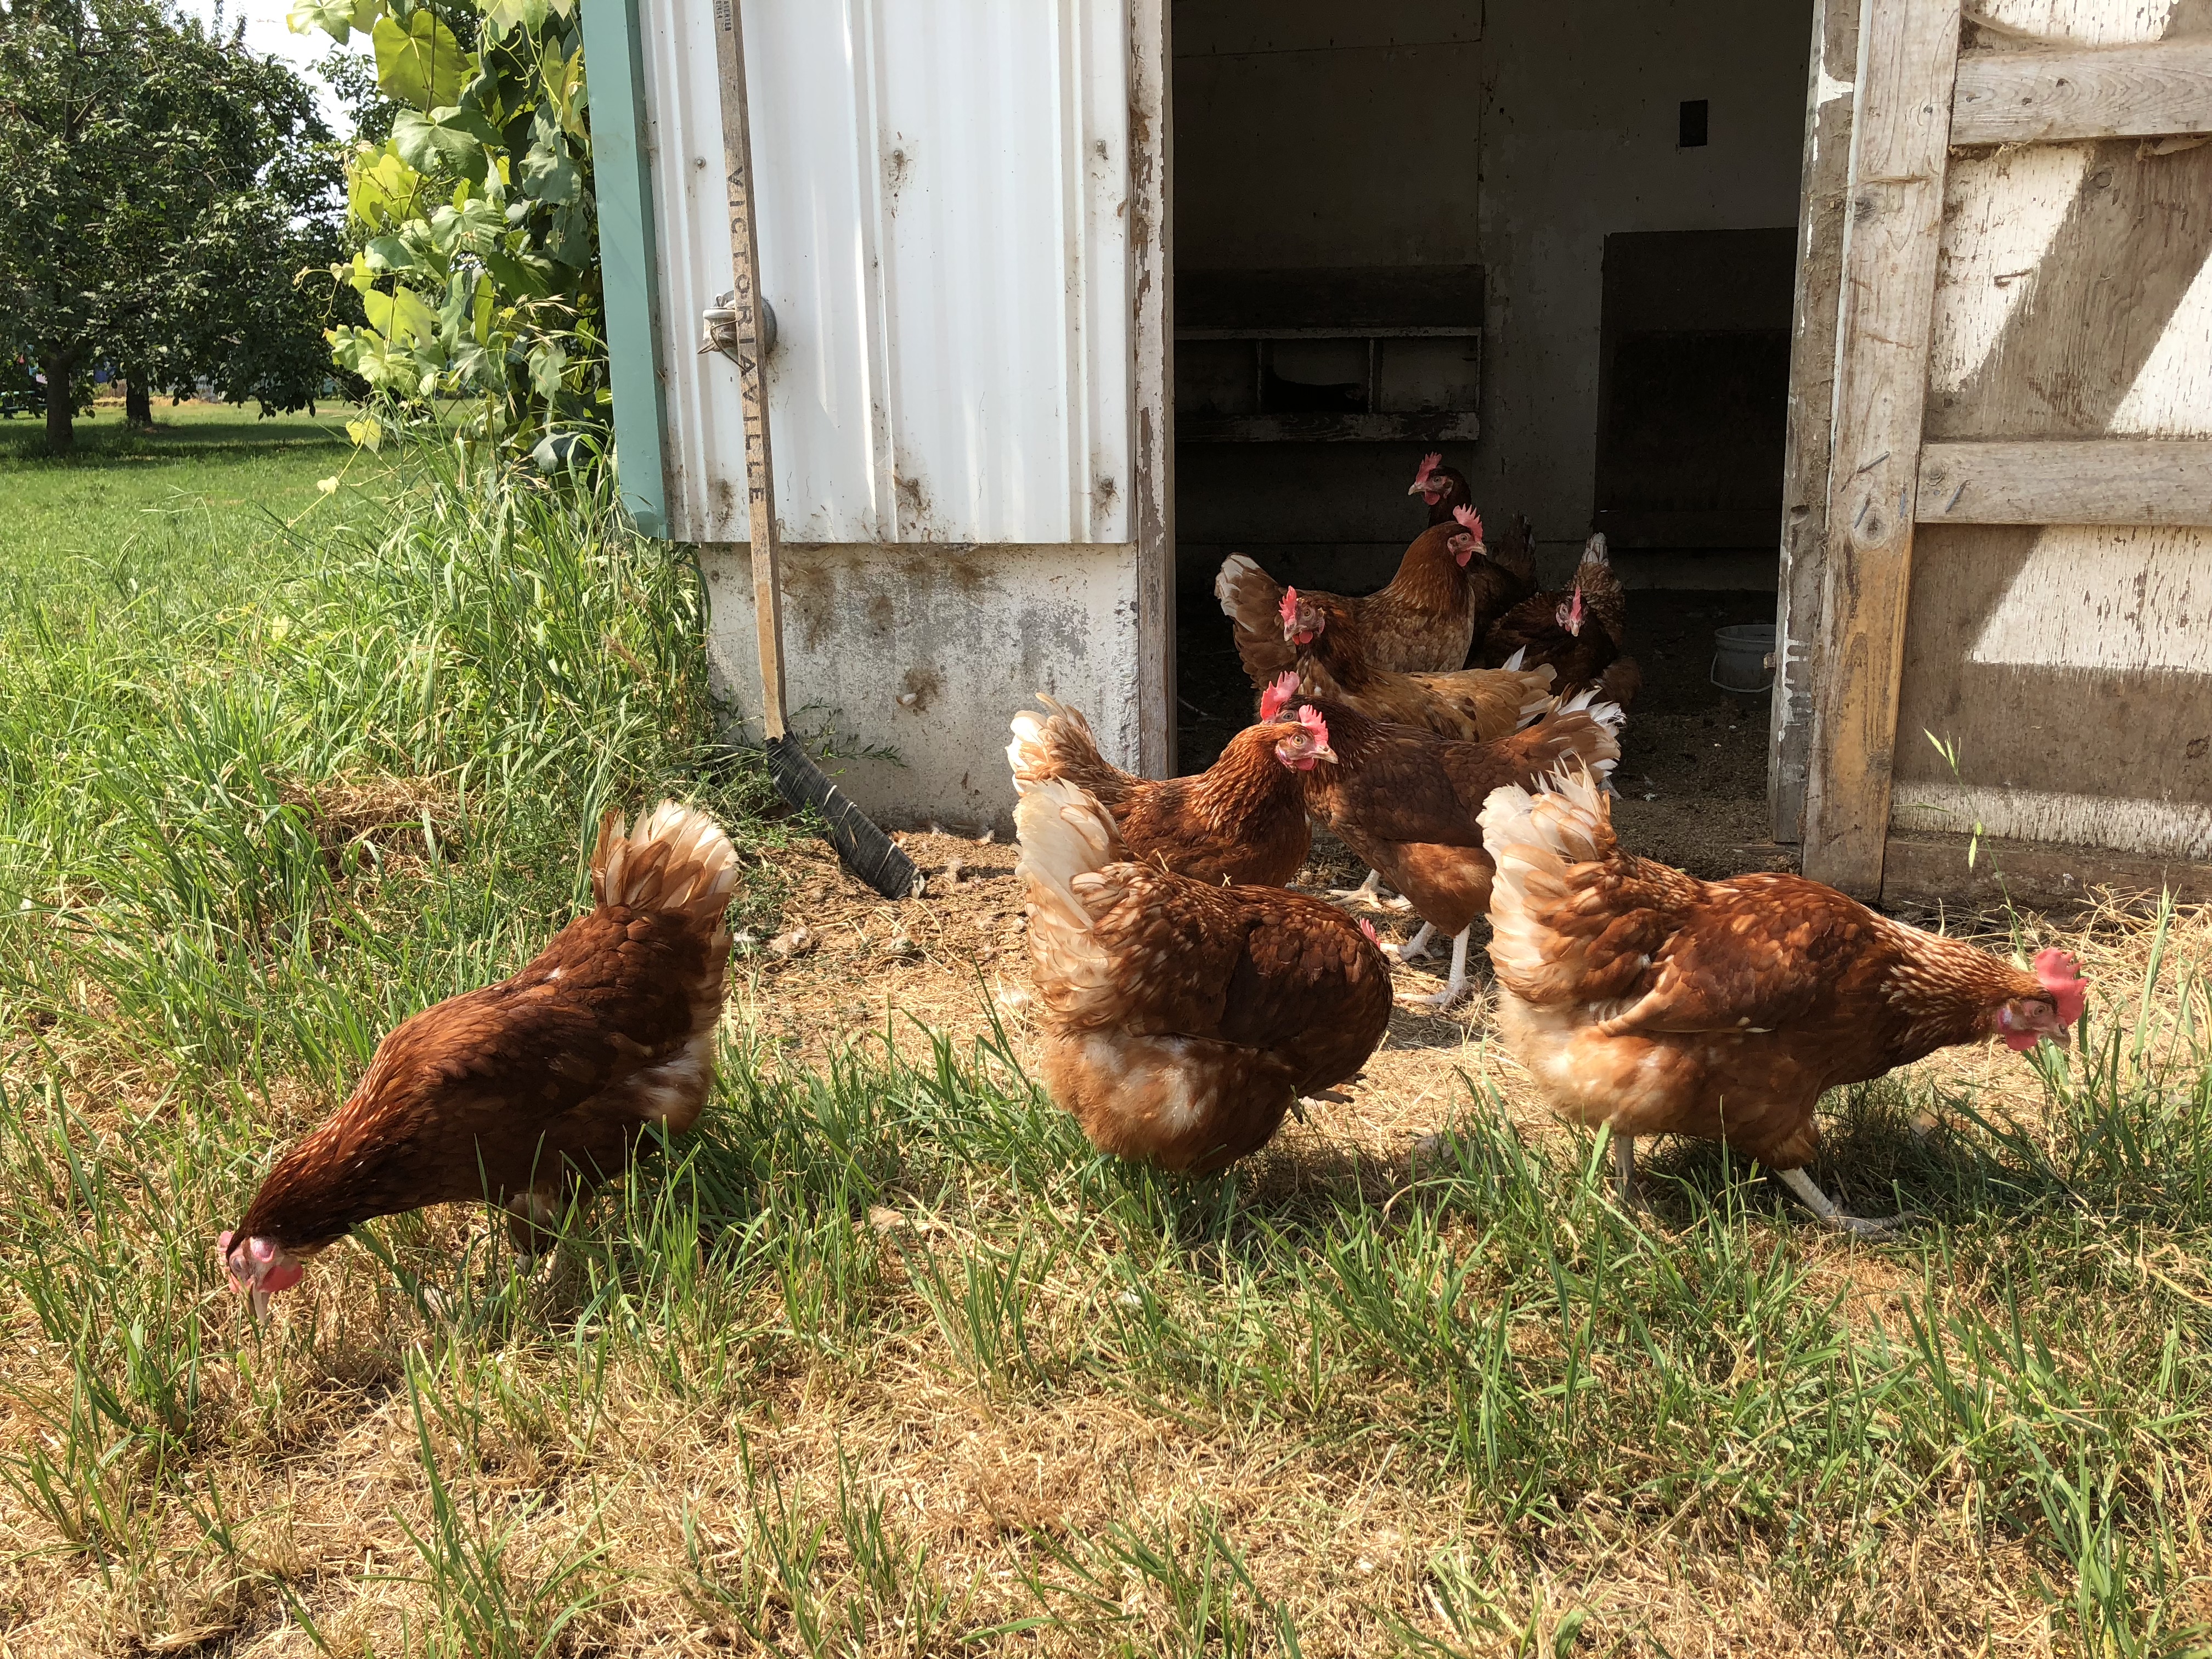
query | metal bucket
[1743, 658]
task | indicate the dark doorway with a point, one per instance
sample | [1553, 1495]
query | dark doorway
[1694, 387]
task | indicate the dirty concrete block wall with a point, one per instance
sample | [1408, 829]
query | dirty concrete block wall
[914, 658]
[1516, 135]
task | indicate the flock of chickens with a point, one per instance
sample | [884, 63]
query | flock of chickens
[1187, 997]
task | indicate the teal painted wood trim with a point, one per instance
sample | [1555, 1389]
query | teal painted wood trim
[629, 265]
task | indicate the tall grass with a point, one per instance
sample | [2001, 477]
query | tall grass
[798, 1383]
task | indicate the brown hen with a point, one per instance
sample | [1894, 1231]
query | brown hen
[1407, 801]
[1334, 664]
[1446, 592]
[1580, 630]
[1242, 820]
[533, 1089]
[1653, 1003]
[1182, 1020]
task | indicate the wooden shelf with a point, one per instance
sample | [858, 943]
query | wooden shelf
[1449, 426]
[1437, 331]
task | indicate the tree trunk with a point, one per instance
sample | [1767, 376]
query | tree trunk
[138, 401]
[60, 370]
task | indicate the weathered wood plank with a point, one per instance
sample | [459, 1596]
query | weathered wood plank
[2148, 91]
[2145, 481]
[1812, 406]
[1151, 227]
[1927, 868]
[1910, 54]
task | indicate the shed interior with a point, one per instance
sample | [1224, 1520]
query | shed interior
[1555, 241]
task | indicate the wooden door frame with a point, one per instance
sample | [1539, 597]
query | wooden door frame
[1830, 73]
[1151, 228]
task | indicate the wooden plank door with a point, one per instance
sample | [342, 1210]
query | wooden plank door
[2024, 230]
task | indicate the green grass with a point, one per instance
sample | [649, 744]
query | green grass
[189, 495]
[882, 1358]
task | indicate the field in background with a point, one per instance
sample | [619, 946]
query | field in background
[882, 1360]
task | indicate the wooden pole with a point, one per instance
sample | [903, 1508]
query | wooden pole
[752, 369]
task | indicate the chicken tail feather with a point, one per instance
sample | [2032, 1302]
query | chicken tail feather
[1577, 728]
[1067, 839]
[1535, 836]
[675, 858]
[1060, 743]
[1252, 600]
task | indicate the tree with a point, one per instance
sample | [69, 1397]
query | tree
[161, 190]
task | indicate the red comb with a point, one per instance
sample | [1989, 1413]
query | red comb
[1277, 698]
[1316, 727]
[2062, 976]
[1429, 463]
[1288, 609]
[1470, 520]
[1368, 928]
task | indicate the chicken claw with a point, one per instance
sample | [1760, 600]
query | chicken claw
[1455, 985]
[1861, 1226]
[1368, 891]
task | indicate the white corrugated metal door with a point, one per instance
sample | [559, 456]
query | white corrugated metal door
[945, 241]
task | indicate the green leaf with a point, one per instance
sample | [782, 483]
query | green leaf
[547, 361]
[456, 118]
[431, 146]
[420, 62]
[502, 15]
[513, 276]
[549, 175]
[336, 18]
[402, 317]
[380, 191]
[388, 254]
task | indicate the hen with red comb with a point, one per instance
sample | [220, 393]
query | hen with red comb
[1445, 594]
[1241, 820]
[1653, 1003]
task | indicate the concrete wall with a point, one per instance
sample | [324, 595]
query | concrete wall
[920, 653]
[1517, 135]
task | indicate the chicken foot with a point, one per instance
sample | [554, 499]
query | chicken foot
[1368, 891]
[1825, 1207]
[1455, 986]
[1414, 949]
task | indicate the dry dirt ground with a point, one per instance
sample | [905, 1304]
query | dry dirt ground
[955, 960]
[1692, 779]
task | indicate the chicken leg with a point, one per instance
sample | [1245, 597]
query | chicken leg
[1455, 986]
[1825, 1207]
[1624, 1174]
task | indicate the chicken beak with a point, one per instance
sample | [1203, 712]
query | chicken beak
[258, 1300]
[1323, 753]
[1420, 488]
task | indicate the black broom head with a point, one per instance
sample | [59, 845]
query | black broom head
[864, 849]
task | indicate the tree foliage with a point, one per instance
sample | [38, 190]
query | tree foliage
[161, 190]
[471, 213]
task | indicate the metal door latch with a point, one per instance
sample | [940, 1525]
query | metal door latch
[721, 320]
